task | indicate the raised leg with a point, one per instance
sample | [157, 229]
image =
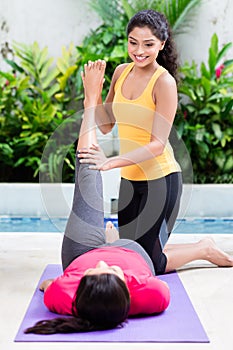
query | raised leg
[85, 227]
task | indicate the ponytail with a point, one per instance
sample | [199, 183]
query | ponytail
[101, 302]
[168, 57]
[61, 325]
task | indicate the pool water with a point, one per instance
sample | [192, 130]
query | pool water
[187, 225]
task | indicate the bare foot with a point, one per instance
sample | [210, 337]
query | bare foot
[214, 254]
[111, 232]
[93, 79]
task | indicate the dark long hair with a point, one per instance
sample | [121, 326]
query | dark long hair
[101, 302]
[160, 28]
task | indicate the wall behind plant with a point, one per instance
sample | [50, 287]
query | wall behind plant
[54, 23]
[213, 16]
[51, 23]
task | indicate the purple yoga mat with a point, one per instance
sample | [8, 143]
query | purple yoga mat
[179, 323]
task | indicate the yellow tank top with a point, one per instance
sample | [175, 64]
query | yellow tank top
[135, 119]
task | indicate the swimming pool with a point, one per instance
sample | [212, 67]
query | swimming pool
[43, 224]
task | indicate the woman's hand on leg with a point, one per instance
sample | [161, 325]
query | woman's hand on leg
[94, 156]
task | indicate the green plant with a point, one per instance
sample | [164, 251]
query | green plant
[107, 42]
[35, 98]
[205, 115]
[178, 12]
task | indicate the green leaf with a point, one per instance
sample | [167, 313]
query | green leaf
[14, 65]
[228, 69]
[41, 58]
[203, 149]
[44, 69]
[7, 76]
[60, 96]
[53, 90]
[128, 8]
[213, 54]
[6, 150]
[52, 74]
[204, 71]
[219, 159]
[228, 109]
[107, 38]
[212, 61]
[206, 85]
[223, 51]
[217, 130]
[214, 107]
[118, 51]
[63, 79]
[228, 165]
[214, 44]
[180, 14]
[62, 65]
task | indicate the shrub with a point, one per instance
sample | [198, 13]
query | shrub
[35, 98]
[205, 115]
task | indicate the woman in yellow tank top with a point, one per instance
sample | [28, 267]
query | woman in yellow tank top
[142, 100]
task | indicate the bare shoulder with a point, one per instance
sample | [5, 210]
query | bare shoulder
[166, 81]
[165, 88]
[119, 69]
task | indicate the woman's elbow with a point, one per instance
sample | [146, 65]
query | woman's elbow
[157, 148]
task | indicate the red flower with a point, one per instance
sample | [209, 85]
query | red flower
[185, 114]
[218, 71]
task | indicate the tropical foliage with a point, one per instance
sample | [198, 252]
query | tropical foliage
[179, 13]
[205, 116]
[35, 98]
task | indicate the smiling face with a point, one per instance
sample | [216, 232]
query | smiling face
[143, 46]
[103, 267]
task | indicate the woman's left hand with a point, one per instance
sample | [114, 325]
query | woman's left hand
[95, 156]
[45, 284]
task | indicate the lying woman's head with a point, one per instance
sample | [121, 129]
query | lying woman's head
[102, 301]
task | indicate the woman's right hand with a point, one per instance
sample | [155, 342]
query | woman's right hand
[93, 80]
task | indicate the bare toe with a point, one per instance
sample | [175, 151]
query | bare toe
[109, 225]
[111, 232]
[215, 255]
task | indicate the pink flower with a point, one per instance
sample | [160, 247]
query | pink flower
[218, 71]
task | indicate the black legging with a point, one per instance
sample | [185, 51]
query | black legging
[147, 213]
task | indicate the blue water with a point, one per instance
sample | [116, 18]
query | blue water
[194, 225]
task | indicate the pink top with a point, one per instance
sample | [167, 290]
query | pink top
[148, 293]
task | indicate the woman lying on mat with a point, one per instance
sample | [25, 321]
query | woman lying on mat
[107, 279]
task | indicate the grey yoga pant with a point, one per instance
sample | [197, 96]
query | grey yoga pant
[85, 226]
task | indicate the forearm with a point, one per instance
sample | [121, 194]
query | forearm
[104, 117]
[103, 114]
[141, 154]
[87, 134]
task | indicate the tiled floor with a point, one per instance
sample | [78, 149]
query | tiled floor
[23, 257]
